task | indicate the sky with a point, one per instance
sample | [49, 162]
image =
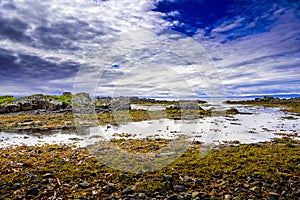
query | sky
[155, 48]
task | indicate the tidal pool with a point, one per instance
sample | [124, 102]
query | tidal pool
[261, 125]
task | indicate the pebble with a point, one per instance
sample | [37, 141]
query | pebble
[179, 188]
[84, 185]
[198, 182]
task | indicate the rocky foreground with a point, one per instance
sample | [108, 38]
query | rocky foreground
[256, 171]
[267, 170]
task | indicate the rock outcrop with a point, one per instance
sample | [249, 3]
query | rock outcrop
[33, 103]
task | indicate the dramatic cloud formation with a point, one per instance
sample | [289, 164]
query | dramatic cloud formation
[254, 44]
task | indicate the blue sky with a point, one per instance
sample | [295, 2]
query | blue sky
[49, 46]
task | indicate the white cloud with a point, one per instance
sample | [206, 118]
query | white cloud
[260, 62]
[100, 33]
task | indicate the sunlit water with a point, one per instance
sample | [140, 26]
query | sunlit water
[262, 125]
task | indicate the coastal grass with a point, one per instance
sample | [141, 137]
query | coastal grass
[6, 99]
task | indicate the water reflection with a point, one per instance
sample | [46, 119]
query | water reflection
[262, 125]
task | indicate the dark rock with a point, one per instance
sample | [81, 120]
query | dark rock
[26, 106]
[179, 188]
[33, 191]
[169, 185]
[168, 178]
[190, 106]
[130, 197]
[173, 107]
[123, 177]
[119, 104]
[32, 103]
[172, 197]
[128, 191]
[232, 111]
[19, 198]
[67, 94]
[199, 182]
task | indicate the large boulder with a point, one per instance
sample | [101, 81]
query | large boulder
[14, 108]
[26, 106]
[54, 105]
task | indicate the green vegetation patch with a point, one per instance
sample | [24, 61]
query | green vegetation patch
[6, 99]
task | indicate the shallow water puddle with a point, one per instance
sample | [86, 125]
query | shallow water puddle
[263, 125]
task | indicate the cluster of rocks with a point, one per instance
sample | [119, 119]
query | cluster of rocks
[34, 103]
[137, 100]
[113, 106]
[185, 105]
[277, 100]
[83, 103]
[267, 99]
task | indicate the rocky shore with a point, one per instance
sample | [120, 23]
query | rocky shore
[40, 113]
[268, 99]
[36, 104]
[267, 171]
[289, 105]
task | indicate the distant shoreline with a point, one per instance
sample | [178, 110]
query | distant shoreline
[231, 98]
